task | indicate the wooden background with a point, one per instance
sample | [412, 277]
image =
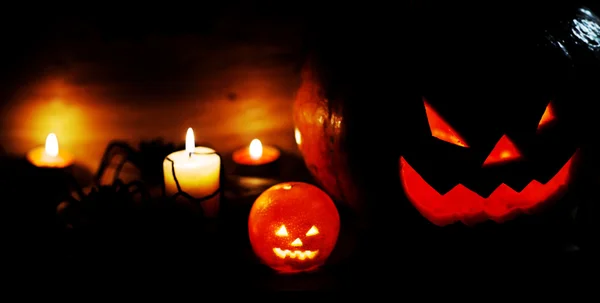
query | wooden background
[229, 69]
[230, 74]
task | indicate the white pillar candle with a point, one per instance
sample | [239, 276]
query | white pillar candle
[198, 171]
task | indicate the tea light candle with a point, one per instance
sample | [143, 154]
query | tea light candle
[256, 154]
[48, 156]
[197, 170]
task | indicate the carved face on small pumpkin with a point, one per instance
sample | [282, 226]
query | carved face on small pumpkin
[501, 119]
[293, 227]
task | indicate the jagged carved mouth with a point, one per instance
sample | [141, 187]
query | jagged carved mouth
[462, 204]
[295, 254]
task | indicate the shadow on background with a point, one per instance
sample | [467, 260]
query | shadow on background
[228, 70]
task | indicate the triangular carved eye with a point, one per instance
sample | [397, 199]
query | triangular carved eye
[441, 129]
[312, 231]
[281, 232]
[547, 117]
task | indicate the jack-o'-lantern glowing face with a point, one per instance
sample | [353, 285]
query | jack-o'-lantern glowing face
[295, 249]
[501, 121]
[293, 227]
[493, 197]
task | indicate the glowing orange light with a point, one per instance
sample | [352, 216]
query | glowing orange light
[256, 149]
[547, 117]
[440, 129]
[312, 231]
[298, 136]
[190, 141]
[297, 242]
[282, 231]
[51, 147]
[256, 154]
[505, 150]
[293, 227]
[49, 156]
[462, 204]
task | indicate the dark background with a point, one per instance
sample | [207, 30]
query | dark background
[97, 73]
[139, 71]
[114, 68]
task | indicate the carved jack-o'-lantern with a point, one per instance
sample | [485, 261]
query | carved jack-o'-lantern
[485, 113]
[293, 227]
[503, 122]
[491, 199]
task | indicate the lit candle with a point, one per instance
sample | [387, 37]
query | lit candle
[197, 170]
[256, 154]
[48, 156]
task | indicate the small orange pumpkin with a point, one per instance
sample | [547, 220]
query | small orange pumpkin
[293, 227]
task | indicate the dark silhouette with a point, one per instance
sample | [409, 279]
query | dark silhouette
[376, 63]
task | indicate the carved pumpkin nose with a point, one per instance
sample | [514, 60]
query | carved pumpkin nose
[297, 243]
[504, 151]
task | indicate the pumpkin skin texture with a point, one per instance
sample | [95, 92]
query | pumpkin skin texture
[490, 75]
[504, 136]
[339, 119]
[293, 227]
[320, 125]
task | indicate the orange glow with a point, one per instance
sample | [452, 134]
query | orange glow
[281, 232]
[297, 243]
[298, 136]
[65, 117]
[293, 227]
[441, 129]
[87, 111]
[504, 151]
[547, 117]
[190, 141]
[49, 155]
[256, 154]
[255, 149]
[300, 255]
[313, 231]
[462, 204]
[51, 147]
[69, 111]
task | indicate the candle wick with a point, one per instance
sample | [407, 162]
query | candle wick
[190, 154]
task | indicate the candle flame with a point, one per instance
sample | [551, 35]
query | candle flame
[256, 149]
[52, 145]
[298, 136]
[190, 143]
